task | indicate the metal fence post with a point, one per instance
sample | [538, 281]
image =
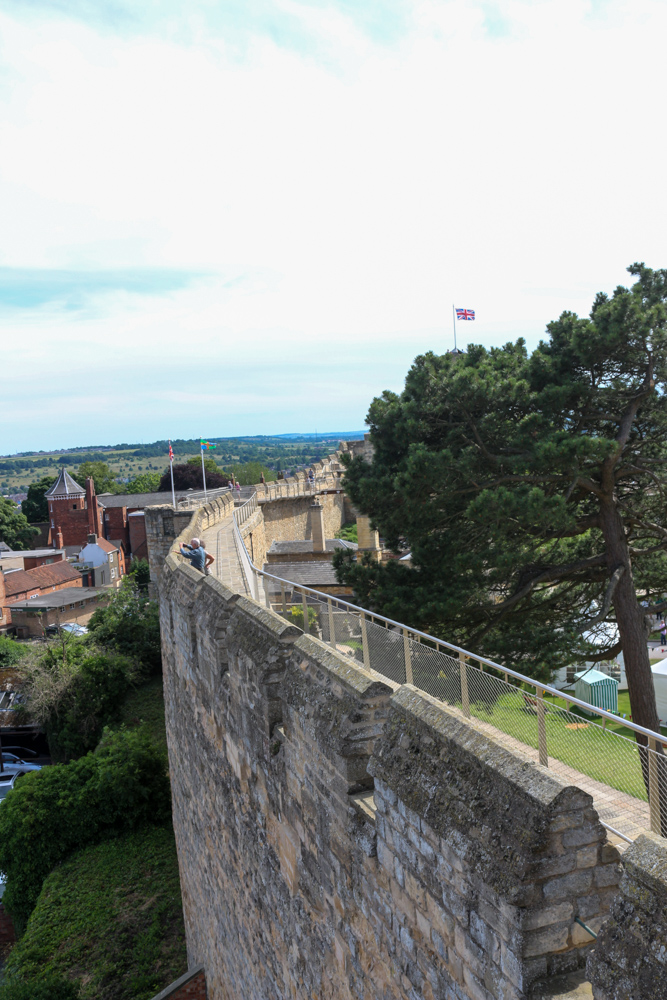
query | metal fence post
[304, 603]
[332, 627]
[364, 641]
[406, 654]
[465, 701]
[653, 786]
[541, 728]
[282, 598]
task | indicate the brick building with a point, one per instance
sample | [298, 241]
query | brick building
[74, 513]
[74, 605]
[22, 584]
[29, 558]
[26, 585]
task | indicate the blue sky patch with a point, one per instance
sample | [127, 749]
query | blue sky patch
[28, 288]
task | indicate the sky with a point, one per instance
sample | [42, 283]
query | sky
[231, 217]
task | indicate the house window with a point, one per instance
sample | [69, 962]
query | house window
[72, 607]
[113, 573]
[53, 524]
[82, 604]
[73, 506]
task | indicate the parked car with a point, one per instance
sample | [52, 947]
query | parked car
[8, 783]
[74, 629]
[11, 765]
[71, 628]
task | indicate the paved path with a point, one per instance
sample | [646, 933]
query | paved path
[219, 541]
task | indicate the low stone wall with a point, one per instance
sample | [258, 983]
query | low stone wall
[630, 958]
[341, 837]
[254, 536]
[288, 518]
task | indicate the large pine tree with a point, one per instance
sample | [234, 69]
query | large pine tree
[530, 490]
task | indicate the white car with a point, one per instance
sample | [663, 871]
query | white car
[8, 783]
[11, 765]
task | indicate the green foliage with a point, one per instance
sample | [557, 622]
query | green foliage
[250, 473]
[122, 786]
[504, 473]
[112, 916]
[148, 482]
[48, 988]
[35, 506]
[141, 572]
[297, 616]
[348, 532]
[144, 705]
[101, 475]
[10, 652]
[91, 701]
[14, 528]
[130, 624]
[209, 463]
[188, 477]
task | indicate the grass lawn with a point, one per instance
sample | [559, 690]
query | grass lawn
[110, 917]
[574, 739]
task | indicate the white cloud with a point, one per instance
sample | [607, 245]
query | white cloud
[506, 157]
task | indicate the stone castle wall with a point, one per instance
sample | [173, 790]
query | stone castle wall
[340, 836]
[289, 518]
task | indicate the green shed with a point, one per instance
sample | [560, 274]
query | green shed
[597, 689]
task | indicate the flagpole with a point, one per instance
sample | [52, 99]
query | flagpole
[454, 322]
[171, 466]
[203, 472]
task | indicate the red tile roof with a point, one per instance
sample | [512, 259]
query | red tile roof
[42, 577]
[106, 546]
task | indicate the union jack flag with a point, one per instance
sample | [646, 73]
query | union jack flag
[171, 453]
[465, 313]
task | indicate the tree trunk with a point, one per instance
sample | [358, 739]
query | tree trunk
[632, 630]
[630, 619]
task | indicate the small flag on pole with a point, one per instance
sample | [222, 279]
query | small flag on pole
[205, 445]
[465, 313]
[171, 469]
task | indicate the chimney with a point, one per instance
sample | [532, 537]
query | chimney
[367, 539]
[91, 504]
[317, 527]
[59, 542]
[92, 538]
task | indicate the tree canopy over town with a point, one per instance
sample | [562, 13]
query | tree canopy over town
[530, 491]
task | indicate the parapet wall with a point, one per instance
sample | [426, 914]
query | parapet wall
[340, 837]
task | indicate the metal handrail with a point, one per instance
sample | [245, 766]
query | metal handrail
[546, 688]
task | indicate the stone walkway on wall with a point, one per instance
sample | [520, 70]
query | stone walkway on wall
[219, 541]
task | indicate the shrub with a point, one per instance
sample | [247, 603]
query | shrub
[130, 624]
[92, 700]
[10, 652]
[140, 571]
[121, 786]
[51, 988]
[74, 692]
[297, 616]
[111, 914]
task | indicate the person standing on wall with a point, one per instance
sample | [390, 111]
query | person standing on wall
[198, 556]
